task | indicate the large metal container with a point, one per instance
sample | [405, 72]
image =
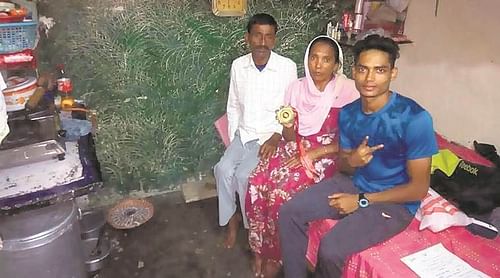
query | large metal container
[92, 223]
[42, 243]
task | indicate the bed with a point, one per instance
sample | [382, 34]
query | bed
[383, 260]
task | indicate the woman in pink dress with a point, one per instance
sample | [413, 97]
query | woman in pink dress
[317, 99]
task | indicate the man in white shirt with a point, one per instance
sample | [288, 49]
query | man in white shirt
[256, 90]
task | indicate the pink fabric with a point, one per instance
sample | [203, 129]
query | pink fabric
[437, 214]
[272, 184]
[222, 128]
[313, 105]
[462, 152]
[383, 260]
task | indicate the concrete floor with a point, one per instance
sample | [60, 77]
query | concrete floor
[181, 240]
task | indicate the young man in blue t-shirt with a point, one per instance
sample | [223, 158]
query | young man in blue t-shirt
[387, 141]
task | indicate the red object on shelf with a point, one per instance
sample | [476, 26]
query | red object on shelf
[22, 59]
[11, 19]
[14, 15]
[347, 21]
[64, 84]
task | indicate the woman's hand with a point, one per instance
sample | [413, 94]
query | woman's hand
[293, 162]
[288, 133]
[323, 151]
[286, 116]
[288, 125]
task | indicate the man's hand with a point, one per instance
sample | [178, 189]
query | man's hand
[363, 154]
[344, 203]
[268, 149]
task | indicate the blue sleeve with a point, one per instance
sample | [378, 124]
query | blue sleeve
[344, 141]
[420, 137]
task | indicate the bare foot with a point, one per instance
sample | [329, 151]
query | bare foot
[232, 231]
[271, 269]
[257, 265]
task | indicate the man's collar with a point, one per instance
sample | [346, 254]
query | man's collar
[271, 63]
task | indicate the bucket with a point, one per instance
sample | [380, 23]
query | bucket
[92, 223]
[42, 243]
[18, 91]
[96, 253]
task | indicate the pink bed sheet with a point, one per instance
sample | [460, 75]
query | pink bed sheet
[462, 151]
[383, 260]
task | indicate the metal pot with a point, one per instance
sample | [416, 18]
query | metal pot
[42, 243]
[96, 253]
[92, 223]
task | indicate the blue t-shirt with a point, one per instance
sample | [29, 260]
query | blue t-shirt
[405, 129]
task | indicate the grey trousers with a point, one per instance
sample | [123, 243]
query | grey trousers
[231, 176]
[355, 232]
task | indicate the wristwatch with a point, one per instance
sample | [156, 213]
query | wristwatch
[362, 201]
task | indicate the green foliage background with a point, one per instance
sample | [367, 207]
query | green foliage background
[157, 73]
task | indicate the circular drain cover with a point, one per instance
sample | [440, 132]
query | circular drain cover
[130, 213]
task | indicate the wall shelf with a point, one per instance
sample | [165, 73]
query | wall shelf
[351, 42]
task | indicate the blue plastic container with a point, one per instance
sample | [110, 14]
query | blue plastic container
[15, 37]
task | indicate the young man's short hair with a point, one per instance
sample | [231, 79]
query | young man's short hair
[377, 42]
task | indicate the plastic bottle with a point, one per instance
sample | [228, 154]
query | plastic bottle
[64, 87]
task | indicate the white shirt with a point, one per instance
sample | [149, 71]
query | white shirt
[4, 127]
[254, 96]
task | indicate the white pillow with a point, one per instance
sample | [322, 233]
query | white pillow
[437, 214]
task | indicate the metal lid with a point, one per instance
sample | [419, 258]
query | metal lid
[36, 227]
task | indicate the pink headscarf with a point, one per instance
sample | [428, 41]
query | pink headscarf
[313, 105]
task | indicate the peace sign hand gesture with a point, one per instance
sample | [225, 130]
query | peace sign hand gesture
[363, 154]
